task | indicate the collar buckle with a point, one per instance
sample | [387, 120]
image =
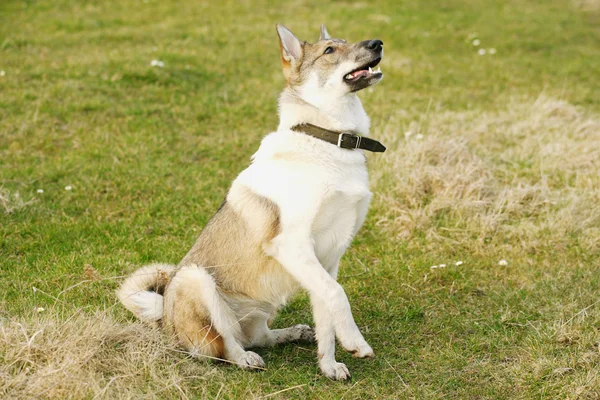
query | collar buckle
[341, 139]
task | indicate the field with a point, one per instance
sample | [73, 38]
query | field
[476, 275]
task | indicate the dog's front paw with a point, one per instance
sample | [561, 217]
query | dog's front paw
[250, 360]
[336, 371]
[361, 350]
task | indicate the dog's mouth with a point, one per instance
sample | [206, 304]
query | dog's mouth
[364, 72]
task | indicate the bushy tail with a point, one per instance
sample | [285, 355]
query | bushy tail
[142, 292]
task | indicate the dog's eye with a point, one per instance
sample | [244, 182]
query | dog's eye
[328, 50]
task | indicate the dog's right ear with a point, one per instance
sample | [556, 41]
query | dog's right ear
[291, 49]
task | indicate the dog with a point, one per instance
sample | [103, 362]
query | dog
[284, 224]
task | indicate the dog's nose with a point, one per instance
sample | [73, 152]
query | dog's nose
[375, 45]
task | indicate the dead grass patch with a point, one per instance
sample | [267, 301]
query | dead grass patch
[587, 5]
[11, 202]
[525, 176]
[84, 356]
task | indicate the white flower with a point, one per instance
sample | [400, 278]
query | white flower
[458, 263]
[420, 136]
[2, 73]
[481, 52]
[407, 134]
[40, 190]
[157, 63]
[492, 51]
[69, 187]
[433, 267]
[442, 265]
[40, 309]
[476, 42]
[503, 263]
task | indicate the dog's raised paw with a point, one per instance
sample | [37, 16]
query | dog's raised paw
[250, 361]
[336, 371]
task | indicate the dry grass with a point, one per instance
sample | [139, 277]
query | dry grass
[92, 355]
[11, 202]
[510, 181]
[587, 5]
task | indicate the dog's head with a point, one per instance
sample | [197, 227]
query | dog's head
[329, 67]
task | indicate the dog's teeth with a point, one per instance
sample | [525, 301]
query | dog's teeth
[370, 70]
[378, 69]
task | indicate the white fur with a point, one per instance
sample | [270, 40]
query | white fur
[334, 100]
[134, 294]
[150, 304]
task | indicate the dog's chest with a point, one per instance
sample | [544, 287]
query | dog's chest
[339, 218]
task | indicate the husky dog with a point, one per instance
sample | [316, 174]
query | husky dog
[284, 224]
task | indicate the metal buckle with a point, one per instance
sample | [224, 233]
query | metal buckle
[341, 137]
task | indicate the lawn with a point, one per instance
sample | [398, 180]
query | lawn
[476, 275]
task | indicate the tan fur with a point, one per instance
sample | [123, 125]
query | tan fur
[188, 320]
[230, 249]
[286, 65]
[288, 156]
[314, 59]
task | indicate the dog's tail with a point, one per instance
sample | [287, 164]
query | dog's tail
[142, 293]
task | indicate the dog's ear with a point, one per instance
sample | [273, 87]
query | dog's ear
[291, 49]
[324, 34]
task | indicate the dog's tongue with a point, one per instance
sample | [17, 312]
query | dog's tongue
[358, 74]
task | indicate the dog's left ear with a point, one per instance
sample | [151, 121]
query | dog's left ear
[324, 34]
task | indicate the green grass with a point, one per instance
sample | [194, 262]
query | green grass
[507, 168]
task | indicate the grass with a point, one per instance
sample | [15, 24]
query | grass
[493, 157]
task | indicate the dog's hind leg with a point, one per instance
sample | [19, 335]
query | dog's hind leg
[261, 335]
[294, 333]
[202, 320]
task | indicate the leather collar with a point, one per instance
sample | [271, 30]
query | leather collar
[343, 140]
